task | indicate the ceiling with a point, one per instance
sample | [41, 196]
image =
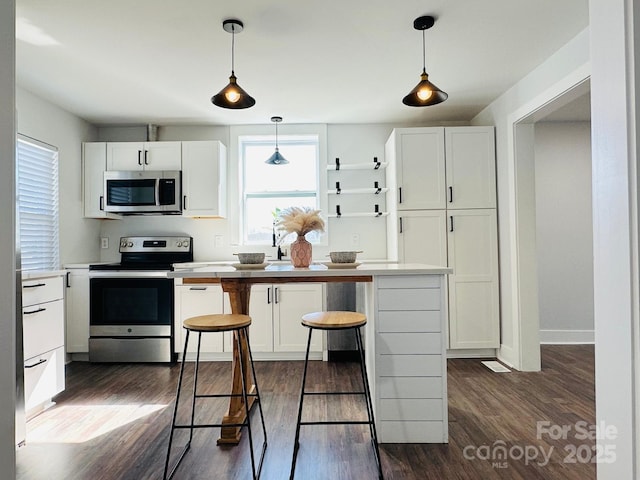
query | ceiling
[337, 61]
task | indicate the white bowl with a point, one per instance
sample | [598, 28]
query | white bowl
[344, 257]
[250, 257]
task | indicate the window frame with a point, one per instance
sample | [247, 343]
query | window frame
[236, 175]
[42, 262]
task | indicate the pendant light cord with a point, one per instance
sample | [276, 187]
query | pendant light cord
[276, 135]
[424, 54]
[233, 47]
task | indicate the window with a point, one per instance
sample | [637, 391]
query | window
[269, 188]
[37, 188]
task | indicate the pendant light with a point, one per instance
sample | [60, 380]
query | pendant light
[425, 93]
[276, 158]
[233, 96]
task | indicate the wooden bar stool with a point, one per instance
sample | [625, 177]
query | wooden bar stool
[218, 323]
[337, 321]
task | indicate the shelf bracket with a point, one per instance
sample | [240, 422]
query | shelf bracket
[376, 162]
[338, 213]
[377, 187]
[337, 163]
[377, 210]
[338, 189]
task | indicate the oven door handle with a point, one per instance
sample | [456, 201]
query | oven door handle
[157, 191]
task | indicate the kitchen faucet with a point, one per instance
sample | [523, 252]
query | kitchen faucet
[281, 254]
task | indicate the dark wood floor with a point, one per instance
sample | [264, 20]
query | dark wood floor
[112, 422]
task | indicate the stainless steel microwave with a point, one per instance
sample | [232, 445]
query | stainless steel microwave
[142, 192]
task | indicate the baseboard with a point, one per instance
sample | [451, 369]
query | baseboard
[567, 337]
[507, 356]
[472, 353]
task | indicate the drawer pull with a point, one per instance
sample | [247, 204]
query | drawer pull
[42, 360]
[198, 288]
[35, 311]
[34, 285]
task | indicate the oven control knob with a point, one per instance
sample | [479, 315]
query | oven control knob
[178, 244]
[123, 244]
[130, 244]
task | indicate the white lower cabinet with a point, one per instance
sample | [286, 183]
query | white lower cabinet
[77, 307]
[192, 301]
[276, 312]
[43, 340]
[410, 360]
[473, 286]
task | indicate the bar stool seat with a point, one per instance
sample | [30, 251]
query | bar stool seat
[337, 320]
[217, 323]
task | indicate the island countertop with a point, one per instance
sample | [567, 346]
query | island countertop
[314, 270]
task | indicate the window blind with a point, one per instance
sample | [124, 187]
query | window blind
[37, 189]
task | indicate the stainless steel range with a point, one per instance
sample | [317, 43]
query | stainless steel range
[131, 302]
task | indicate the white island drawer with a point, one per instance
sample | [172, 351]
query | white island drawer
[43, 327]
[42, 290]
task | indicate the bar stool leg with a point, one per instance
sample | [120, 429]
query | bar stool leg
[246, 400]
[259, 400]
[296, 444]
[367, 391]
[175, 413]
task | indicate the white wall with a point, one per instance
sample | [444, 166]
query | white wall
[351, 143]
[564, 231]
[568, 66]
[7, 240]
[39, 119]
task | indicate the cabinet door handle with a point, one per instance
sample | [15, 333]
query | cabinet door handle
[275, 295]
[35, 311]
[451, 223]
[198, 288]
[450, 194]
[401, 225]
[140, 157]
[34, 285]
[68, 280]
[269, 296]
[146, 161]
[399, 194]
[184, 202]
[101, 202]
[40, 362]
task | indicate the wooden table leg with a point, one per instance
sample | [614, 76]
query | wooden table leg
[238, 291]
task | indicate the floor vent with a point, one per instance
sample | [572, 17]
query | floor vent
[496, 366]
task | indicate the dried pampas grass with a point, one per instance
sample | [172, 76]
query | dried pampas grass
[300, 220]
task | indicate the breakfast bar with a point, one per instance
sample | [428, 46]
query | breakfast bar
[405, 339]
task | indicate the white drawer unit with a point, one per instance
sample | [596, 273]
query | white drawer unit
[43, 314]
[43, 377]
[410, 360]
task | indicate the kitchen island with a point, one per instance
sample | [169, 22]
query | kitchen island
[405, 339]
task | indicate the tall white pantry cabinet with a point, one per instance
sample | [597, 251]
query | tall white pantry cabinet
[444, 213]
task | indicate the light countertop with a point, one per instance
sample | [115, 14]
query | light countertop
[314, 270]
[32, 275]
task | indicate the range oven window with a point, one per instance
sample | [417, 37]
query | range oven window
[131, 301]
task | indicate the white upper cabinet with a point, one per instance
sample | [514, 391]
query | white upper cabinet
[204, 179]
[417, 157]
[470, 167]
[144, 156]
[94, 164]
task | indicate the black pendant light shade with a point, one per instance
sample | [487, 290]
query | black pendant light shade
[233, 95]
[276, 158]
[425, 93]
